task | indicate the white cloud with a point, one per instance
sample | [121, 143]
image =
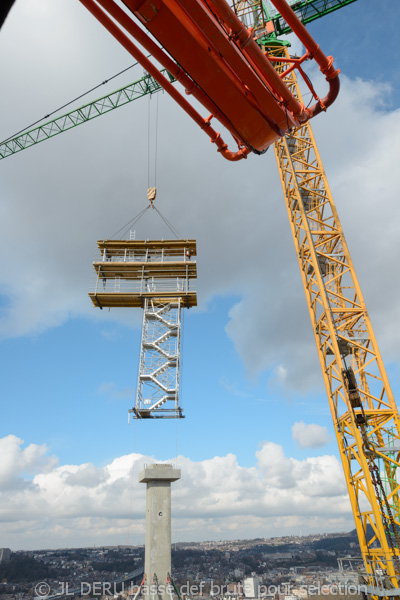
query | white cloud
[17, 462]
[310, 436]
[216, 498]
[361, 165]
[112, 390]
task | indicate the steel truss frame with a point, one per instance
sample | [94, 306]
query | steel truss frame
[308, 11]
[367, 424]
[158, 379]
[153, 275]
[262, 16]
[78, 116]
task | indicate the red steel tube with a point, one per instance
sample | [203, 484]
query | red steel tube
[251, 49]
[325, 62]
[180, 75]
[204, 124]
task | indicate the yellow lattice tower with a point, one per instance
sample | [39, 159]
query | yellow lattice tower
[363, 408]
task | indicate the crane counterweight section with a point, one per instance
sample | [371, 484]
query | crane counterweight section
[218, 61]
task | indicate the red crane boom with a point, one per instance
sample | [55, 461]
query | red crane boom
[218, 61]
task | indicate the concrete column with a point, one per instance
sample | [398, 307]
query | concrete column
[157, 560]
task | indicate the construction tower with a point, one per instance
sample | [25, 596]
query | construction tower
[154, 275]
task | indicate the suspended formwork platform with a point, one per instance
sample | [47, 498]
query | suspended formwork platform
[154, 275]
[129, 271]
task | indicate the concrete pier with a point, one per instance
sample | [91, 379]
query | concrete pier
[157, 563]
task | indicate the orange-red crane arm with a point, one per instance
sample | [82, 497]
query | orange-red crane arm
[217, 60]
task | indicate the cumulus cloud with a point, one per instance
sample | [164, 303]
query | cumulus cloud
[216, 498]
[275, 333]
[17, 462]
[111, 389]
[310, 436]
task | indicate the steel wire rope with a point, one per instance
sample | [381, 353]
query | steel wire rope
[148, 141]
[156, 148]
[10, 137]
[152, 175]
[168, 223]
[131, 222]
[174, 231]
[125, 228]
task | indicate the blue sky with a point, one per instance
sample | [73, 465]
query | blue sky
[69, 370]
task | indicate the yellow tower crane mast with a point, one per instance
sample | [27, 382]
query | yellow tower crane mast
[364, 412]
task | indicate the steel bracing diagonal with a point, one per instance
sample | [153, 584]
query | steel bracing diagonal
[78, 116]
[257, 13]
[155, 275]
[365, 414]
[308, 11]
[158, 379]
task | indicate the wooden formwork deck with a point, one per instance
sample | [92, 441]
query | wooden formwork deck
[140, 270]
[125, 299]
[177, 247]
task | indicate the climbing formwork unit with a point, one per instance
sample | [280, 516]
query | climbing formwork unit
[156, 276]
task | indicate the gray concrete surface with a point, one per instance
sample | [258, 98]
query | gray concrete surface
[157, 564]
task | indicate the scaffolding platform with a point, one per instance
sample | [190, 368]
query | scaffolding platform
[129, 271]
[137, 299]
[154, 275]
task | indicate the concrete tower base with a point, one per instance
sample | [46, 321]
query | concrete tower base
[157, 563]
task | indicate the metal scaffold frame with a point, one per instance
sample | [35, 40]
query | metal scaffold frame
[158, 378]
[155, 275]
[363, 408]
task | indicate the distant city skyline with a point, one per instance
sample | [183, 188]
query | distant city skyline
[256, 448]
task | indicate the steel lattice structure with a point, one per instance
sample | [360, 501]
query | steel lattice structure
[154, 275]
[158, 379]
[144, 86]
[363, 408]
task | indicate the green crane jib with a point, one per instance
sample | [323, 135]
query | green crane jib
[133, 91]
[306, 10]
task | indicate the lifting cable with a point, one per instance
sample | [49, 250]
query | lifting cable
[50, 114]
[149, 186]
[125, 228]
[168, 223]
[151, 195]
[151, 191]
